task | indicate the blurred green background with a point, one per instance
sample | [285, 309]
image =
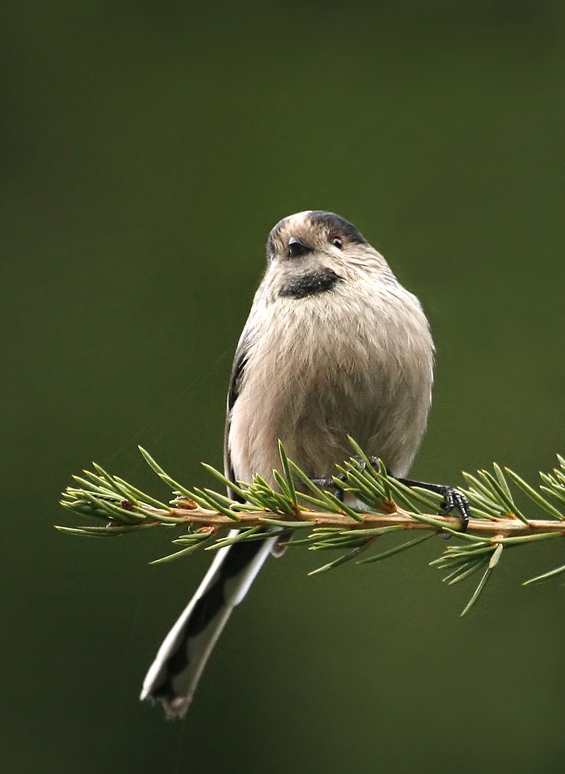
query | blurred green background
[147, 150]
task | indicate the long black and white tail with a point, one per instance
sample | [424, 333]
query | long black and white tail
[173, 676]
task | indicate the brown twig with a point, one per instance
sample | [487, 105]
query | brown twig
[509, 526]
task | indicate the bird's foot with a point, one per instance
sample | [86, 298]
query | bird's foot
[329, 483]
[452, 498]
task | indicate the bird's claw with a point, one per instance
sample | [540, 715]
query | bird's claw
[452, 499]
[329, 483]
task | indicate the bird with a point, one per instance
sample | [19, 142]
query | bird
[334, 347]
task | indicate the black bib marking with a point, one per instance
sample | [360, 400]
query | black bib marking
[303, 285]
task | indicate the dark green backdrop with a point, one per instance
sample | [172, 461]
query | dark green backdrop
[147, 149]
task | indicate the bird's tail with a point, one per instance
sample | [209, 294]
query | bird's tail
[174, 674]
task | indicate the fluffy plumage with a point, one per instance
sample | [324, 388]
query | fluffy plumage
[333, 346]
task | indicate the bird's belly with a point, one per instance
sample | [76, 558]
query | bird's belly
[313, 410]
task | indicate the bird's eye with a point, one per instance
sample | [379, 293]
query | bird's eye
[336, 241]
[297, 249]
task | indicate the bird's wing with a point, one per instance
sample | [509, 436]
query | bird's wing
[237, 373]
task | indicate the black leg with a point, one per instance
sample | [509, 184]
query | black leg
[451, 499]
[329, 483]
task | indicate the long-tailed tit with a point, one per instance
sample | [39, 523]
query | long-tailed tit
[333, 347]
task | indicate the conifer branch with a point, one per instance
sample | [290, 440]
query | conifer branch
[319, 520]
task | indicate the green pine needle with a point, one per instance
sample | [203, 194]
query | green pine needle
[395, 550]
[545, 577]
[123, 508]
[340, 560]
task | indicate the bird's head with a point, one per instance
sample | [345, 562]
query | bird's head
[311, 251]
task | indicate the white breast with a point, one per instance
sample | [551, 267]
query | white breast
[354, 361]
